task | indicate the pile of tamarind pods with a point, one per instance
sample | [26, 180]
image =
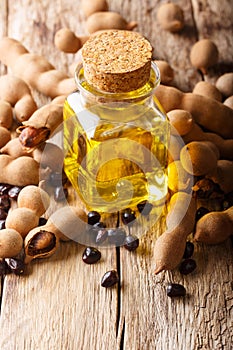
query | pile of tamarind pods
[203, 119]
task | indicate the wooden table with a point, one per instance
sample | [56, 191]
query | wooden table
[60, 303]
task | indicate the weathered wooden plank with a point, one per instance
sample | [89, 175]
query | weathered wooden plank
[201, 320]
[60, 304]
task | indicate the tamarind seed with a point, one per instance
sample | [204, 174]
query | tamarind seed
[16, 266]
[201, 212]
[131, 243]
[60, 194]
[128, 216]
[4, 188]
[2, 224]
[94, 229]
[144, 207]
[55, 179]
[42, 221]
[98, 225]
[109, 279]
[116, 236]
[3, 214]
[101, 236]
[187, 266]
[93, 217]
[14, 192]
[91, 255]
[175, 290]
[189, 249]
[5, 202]
[227, 201]
[4, 269]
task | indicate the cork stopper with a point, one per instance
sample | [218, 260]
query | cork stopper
[117, 60]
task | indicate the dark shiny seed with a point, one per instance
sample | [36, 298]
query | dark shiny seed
[189, 249]
[93, 217]
[4, 188]
[3, 214]
[2, 224]
[4, 269]
[101, 236]
[131, 243]
[225, 205]
[60, 194]
[16, 266]
[128, 216]
[144, 208]
[99, 224]
[116, 236]
[109, 279]
[14, 192]
[91, 255]
[175, 290]
[187, 266]
[94, 230]
[201, 212]
[55, 179]
[42, 221]
[5, 202]
[228, 201]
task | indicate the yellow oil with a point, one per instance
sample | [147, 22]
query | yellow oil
[112, 164]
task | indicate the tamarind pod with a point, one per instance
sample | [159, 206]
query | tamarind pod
[16, 92]
[225, 146]
[5, 137]
[6, 114]
[10, 50]
[170, 246]
[40, 243]
[215, 227]
[41, 125]
[12, 88]
[207, 112]
[223, 175]
[73, 227]
[35, 69]
[21, 171]
[210, 114]
[14, 149]
[169, 97]
[53, 83]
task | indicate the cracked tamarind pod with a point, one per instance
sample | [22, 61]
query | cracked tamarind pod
[42, 124]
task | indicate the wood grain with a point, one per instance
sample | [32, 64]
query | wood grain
[60, 304]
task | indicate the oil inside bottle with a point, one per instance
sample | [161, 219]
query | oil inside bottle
[115, 157]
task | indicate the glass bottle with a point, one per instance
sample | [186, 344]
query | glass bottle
[115, 142]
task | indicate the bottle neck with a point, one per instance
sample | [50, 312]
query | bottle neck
[92, 97]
